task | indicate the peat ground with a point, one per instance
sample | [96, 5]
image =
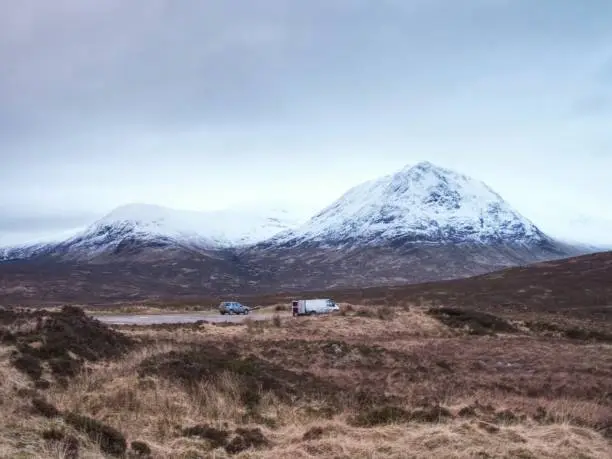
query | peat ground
[373, 381]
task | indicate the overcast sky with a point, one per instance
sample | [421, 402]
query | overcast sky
[208, 104]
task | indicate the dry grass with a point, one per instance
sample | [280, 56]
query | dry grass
[301, 383]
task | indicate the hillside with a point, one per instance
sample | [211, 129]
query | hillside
[578, 286]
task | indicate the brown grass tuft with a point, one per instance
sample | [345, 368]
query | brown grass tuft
[375, 384]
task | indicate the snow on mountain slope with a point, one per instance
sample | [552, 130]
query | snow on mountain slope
[21, 251]
[28, 245]
[144, 225]
[423, 203]
[211, 229]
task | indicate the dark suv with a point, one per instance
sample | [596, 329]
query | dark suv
[233, 307]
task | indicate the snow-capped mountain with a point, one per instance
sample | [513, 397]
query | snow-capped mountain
[421, 224]
[418, 204]
[32, 244]
[134, 226]
[212, 229]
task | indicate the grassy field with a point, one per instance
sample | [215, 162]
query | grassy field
[371, 382]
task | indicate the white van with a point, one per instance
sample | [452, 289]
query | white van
[315, 306]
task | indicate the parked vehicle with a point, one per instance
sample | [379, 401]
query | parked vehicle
[233, 307]
[314, 306]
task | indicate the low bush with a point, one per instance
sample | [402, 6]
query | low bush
[476, 322]
[394, 415]
[27, 364]
[140, 449]
[65, 339]
[242, 440]
[314, 433]
[385, 313]
[69, 444]
[254, 375]
[380, 416]
[111, 441]
[570, 332]
[245, 439]
[43, 408]
[216, 437]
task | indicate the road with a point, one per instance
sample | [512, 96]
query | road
[177, 318]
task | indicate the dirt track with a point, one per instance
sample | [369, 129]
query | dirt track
[149, 319]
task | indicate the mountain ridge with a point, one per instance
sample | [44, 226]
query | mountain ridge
[421, 203]
[423, 223]
[154, 226]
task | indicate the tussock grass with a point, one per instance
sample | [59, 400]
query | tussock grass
[398, 383]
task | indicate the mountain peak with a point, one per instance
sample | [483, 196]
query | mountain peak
[421, 166]
[424, 167]
[419, 203]
[427, 171]
[137, 212]
[137, 225]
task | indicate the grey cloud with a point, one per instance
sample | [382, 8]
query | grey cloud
[599, 101]
[606, 72]
[130, 61]
[164, 63]
[593, 105]
[14, 222]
